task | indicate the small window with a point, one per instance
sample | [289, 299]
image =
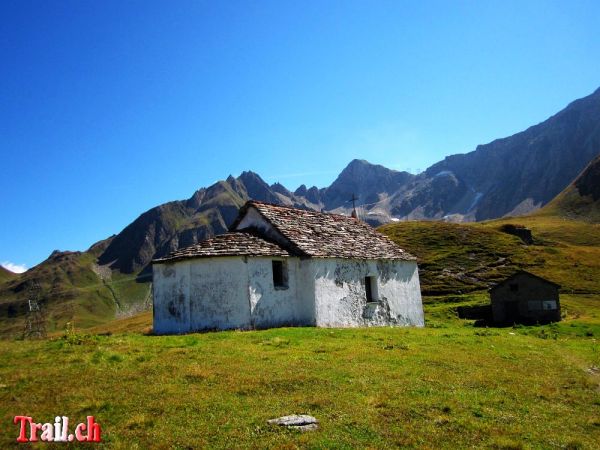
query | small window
[371, 289]
[549, 305]
[514, 288]
[280, 276]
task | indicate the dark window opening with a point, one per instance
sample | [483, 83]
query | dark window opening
[514, 288]
[369, 289]
[280, 277]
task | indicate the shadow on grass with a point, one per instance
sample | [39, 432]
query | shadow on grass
[482, 315]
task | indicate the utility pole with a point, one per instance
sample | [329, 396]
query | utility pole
[35, 324]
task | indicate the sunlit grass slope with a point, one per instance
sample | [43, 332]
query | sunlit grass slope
[447, 386]
[459, 258]
[581, 199]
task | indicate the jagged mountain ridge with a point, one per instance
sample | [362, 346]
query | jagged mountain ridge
[515, 175]
[208, 212]
[509, 176]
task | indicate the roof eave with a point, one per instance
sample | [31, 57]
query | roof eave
[237, 255]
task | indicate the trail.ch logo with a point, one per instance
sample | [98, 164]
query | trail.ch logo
[57, 431]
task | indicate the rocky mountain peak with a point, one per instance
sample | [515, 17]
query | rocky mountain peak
[257, 188]
[250, 176]
[301, 190]
[360, 168]
[58, 255]
[516, 174]
[281, 189]
[369, 182]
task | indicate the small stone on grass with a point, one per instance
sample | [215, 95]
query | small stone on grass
[301, 422]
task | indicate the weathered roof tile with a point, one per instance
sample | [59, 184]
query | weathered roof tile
[325, 235]
[308, 234]
[228, 244]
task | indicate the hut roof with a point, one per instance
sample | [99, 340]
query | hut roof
[523, 272]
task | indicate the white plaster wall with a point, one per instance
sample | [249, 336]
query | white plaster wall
[305, 292]
[400, 288]
[171, 298]
[270, 306]
[200, 294]
[340, 297]
[238, 292]
[228, 293]
[219, 294]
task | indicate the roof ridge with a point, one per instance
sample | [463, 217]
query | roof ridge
[311, 211]
[526, 272]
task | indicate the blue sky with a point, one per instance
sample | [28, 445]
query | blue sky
[108, 108]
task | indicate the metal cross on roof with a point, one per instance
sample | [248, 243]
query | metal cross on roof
[353, 200]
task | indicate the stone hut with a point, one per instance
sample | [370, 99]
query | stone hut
[525, 298]
[282, 266]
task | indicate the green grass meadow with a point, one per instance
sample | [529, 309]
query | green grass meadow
[448, 385]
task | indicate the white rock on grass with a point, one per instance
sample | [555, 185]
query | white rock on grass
[300, 422]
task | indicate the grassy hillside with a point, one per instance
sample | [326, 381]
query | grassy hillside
[581, 199]
[6, 275]
[565, 251]
[73, 289]
[461, 258]
[570, 204]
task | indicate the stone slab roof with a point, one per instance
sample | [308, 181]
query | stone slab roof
[228, 244]
[307, 234]
[317, 234]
